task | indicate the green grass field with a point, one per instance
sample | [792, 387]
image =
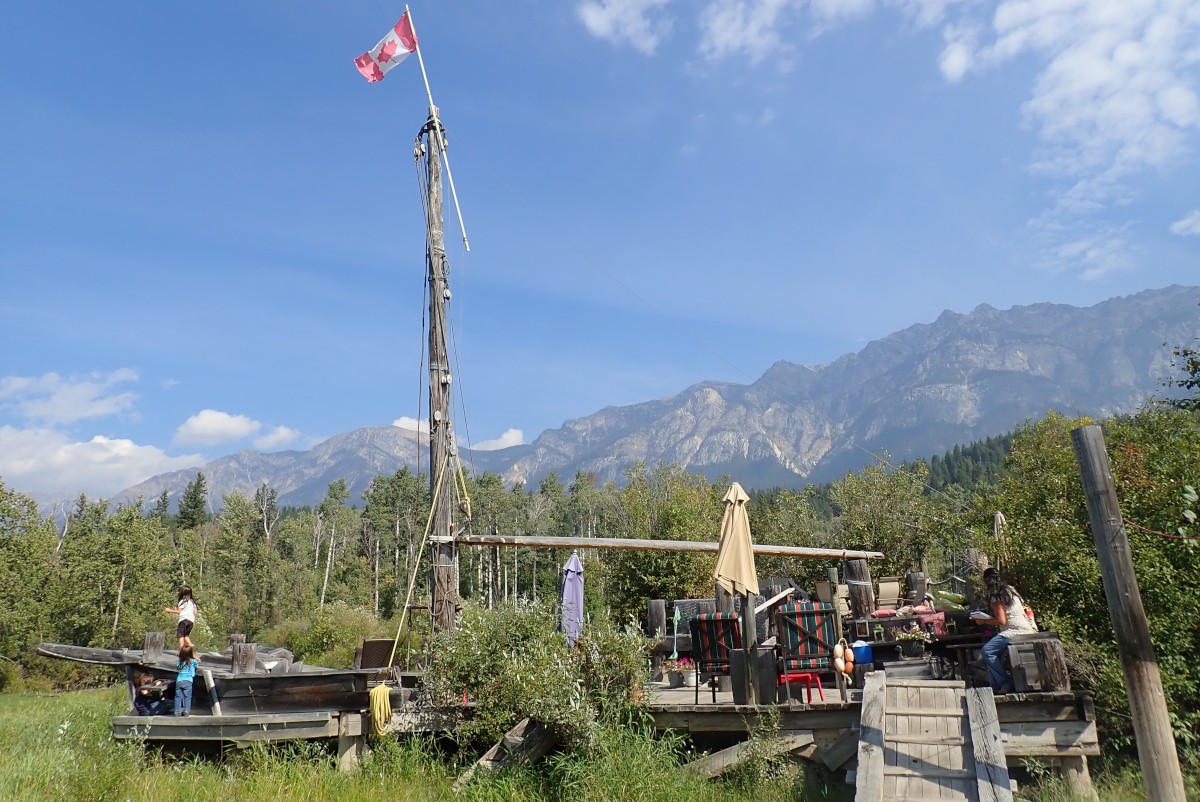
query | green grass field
[59, 747]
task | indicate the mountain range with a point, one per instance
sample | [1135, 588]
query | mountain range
[917, 392]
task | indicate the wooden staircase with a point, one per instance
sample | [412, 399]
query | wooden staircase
[924, 740]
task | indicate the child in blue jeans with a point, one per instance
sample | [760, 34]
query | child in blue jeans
[183, 682]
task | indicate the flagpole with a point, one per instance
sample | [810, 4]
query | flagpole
[433, 112]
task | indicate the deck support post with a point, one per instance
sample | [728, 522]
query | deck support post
[1075, 770]
[351, 741]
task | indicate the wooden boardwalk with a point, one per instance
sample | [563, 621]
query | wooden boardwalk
[929, 740]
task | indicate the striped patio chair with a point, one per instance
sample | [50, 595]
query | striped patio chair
[715, 636]
[805, 635]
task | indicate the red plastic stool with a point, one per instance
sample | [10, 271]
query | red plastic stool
[808, 680]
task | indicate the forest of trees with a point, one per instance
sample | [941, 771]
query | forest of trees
[317, 580]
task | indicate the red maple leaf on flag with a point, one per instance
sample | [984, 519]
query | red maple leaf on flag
[388, 50]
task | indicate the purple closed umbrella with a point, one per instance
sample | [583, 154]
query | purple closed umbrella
[572, 599]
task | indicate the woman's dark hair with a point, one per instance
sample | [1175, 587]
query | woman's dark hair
[186, 653]
[185, 592]
[997, 589]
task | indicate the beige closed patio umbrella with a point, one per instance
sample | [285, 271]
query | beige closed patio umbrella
[735, 571]
[735, 556]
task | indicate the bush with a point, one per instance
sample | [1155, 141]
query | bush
[11, 678]
[513, 663]
[330, 638]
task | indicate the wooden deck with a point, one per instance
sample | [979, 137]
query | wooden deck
[1059, 726]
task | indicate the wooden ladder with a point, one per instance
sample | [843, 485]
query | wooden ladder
[929, 740]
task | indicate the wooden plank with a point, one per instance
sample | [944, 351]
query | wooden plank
[717, 763]
[645, 544]
[930, 772]
[921, 711]
[991, 768]
[1028, 739]
[869, 785]
[835, 754]
[935, 738]
[526, 742]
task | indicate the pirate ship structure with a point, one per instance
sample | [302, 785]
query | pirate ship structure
[252, 693]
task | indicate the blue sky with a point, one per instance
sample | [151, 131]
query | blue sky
[211, 238]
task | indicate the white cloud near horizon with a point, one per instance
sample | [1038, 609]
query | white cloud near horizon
[412, 424]
[1188, 226]
[511, 437]
[626, 22]
[44, 462]
[278, 437]
[210, 427]
[53, 400]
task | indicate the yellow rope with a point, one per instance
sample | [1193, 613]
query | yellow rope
[381, 708]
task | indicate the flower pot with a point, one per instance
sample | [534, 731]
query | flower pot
[689, 679]
[674, 679]
[912, 648]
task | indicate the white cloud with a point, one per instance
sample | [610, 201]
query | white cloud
[745, 27]
[211, 427]
[1101, 251]
[1114, 95]
[512, 437]
[44, 462]
[412, 424]
[278, 437]
[53, 400]
[1189, 226]
[626, 22]
[1115, 90]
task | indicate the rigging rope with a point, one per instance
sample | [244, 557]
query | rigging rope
[441, 475]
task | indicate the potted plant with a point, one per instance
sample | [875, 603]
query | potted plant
[912, 640]
[687, 669]
[671, 672]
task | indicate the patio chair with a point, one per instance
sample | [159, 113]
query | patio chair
[715, 637]
[806, 633]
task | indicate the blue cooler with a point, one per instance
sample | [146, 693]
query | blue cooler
[863, 654]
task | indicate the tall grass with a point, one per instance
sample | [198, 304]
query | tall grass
[59, 747]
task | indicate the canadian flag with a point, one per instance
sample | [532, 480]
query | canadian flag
[391, 50]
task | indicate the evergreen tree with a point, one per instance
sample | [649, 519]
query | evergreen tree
[193, 507]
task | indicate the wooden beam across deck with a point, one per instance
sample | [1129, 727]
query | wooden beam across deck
[639, 544]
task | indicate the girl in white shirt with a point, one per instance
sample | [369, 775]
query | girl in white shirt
[186, 610]
[1008, 615]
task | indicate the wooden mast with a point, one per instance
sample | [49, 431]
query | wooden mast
[443, 552]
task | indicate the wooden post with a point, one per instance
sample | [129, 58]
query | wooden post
[237, 638]
[242, 658]
[862, 592]
[351, 740]
[212, 691]
[1151, 723]
[443, 551]
[152, 646]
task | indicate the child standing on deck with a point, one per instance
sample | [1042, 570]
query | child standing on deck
[187, 616]
[183, 683]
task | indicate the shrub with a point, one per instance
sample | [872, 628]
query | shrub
[330, 638]
[513, 663]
